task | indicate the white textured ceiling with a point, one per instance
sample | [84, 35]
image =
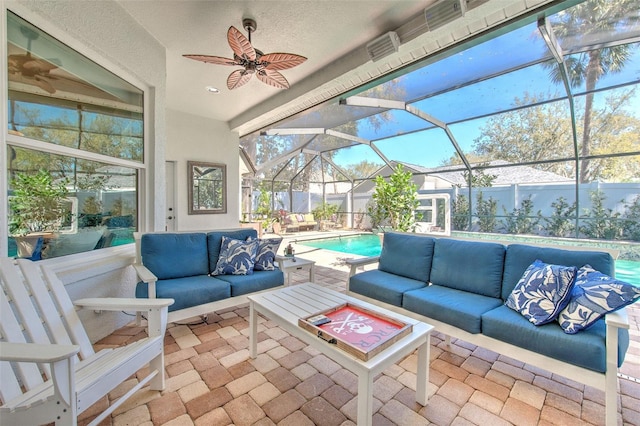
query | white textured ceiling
[331, 34]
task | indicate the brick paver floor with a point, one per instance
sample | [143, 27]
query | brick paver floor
[212, 381]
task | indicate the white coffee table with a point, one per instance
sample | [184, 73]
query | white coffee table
[285, 306]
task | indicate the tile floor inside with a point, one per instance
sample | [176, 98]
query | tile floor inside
[211, 380]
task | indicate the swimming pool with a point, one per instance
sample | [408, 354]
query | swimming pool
[369, 245]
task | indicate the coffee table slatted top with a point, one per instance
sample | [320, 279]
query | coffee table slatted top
[289, 304]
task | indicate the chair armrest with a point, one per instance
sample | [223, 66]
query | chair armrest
[34, 352]
[617, 319]
[122, 303]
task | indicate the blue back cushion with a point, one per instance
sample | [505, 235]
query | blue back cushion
[214, 241]
[468, 266]
[520, 256]
[175, 255]
[407, 255]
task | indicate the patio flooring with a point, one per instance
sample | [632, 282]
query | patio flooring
[211, 380]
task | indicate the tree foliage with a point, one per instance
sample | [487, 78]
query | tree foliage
[395, 200]
[543, 132]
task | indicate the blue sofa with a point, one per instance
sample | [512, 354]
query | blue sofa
[177, 265]
[460, 287]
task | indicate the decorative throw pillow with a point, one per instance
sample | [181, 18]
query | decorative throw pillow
[236, 257]
[266, 257]
[593, 296]
[542, 292]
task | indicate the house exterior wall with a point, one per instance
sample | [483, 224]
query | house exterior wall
[195, 138]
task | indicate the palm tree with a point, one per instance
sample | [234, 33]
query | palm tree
[593, 17]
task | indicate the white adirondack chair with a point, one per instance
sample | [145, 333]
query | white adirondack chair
[49, 371]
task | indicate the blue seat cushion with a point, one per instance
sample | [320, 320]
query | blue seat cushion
[175, 255]
[471, 266]
[585, 349]
[455, 307]
[258, 281]
[383, 286]
[407, 255]
[214, 241]
[520, 256]
[189, 291]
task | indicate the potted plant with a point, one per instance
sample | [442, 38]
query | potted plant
[36, 209]
[395, 201]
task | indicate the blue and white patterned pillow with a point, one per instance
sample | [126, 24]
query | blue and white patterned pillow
[237, 257]
[542, 292]
[266, 257]
[595, 295]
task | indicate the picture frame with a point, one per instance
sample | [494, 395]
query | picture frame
[207, 186]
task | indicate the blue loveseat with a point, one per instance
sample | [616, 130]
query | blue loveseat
[177, 265]
[460, 287]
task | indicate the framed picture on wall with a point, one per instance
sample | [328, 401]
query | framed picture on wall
[207, 187]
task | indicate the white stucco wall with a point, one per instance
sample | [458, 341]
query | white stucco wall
[104, 32]
[195, 138]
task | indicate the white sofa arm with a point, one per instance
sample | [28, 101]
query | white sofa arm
[618, 319]
[358, 263]
[145, 275]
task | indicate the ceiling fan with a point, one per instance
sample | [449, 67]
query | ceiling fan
[29, 69]
[265, 67]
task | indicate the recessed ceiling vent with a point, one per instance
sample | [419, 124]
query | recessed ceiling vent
[443, 12]
[383, 46]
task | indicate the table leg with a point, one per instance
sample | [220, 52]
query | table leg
[312, 274]
[422, 376]
[253, 330]
[365, 399]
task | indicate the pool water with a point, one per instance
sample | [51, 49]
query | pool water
[364, 244]
[369, 245]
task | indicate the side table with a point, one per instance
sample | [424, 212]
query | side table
[288, 265]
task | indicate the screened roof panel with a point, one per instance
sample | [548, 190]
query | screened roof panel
[327, 116]
[326, 143]
[390, 123]
[492, 96]
[429, 147]
[356, 154]
[502, 99]
[492, 57]
[262, 149]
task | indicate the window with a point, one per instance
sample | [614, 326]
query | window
[76, 129]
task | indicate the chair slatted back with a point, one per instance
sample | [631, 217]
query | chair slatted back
[35, 308]
[12, 330]
[66, 309]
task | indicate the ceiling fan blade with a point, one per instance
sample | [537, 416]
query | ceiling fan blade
[281, 61]
[238, 78]
[217, 60]
[240, 45]
[44, 84]
[273, 78]
[37, 66]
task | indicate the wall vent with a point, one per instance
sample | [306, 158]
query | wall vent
[383, 46]
[443, 12]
